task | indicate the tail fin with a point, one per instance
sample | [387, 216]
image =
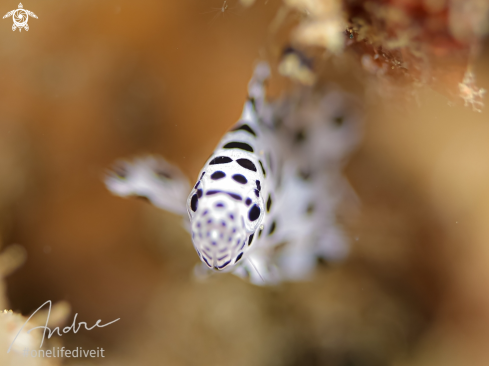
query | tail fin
[257, 92]
[256, 89]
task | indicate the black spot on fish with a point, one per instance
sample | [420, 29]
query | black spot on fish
[219, 160]
[322, 261]
[257, 193]
[199, 193]
[121, 171]
[245, 127]
[272, 228]
[163, 174]
[254, 213]
[194, 203]
[218, 175]
[258, 185]
[250, 240]
[248, 201]
[195, 187]
[262, 169]
[253, 102]
[247, 164]
[233, 195]
[238, 145]
[338, 121]
[300, 136]
[142, 198]
[305, 174]
[205, 260]
[224, 265]
[240, 255]
[240, 178]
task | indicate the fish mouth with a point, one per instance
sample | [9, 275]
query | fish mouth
[218, 231]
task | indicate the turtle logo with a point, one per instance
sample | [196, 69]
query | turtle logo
[20, 17]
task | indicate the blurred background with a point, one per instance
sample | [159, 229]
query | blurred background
[91, 82]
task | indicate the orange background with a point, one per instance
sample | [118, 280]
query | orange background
[91, 82]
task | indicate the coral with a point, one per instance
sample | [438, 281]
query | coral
[323, 26]
[403, 44]
[11, 323]
[470, 93]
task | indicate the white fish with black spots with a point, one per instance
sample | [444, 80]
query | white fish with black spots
[264, 205]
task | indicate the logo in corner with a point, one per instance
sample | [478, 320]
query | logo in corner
[20, 17]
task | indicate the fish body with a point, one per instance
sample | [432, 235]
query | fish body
[264, 205]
